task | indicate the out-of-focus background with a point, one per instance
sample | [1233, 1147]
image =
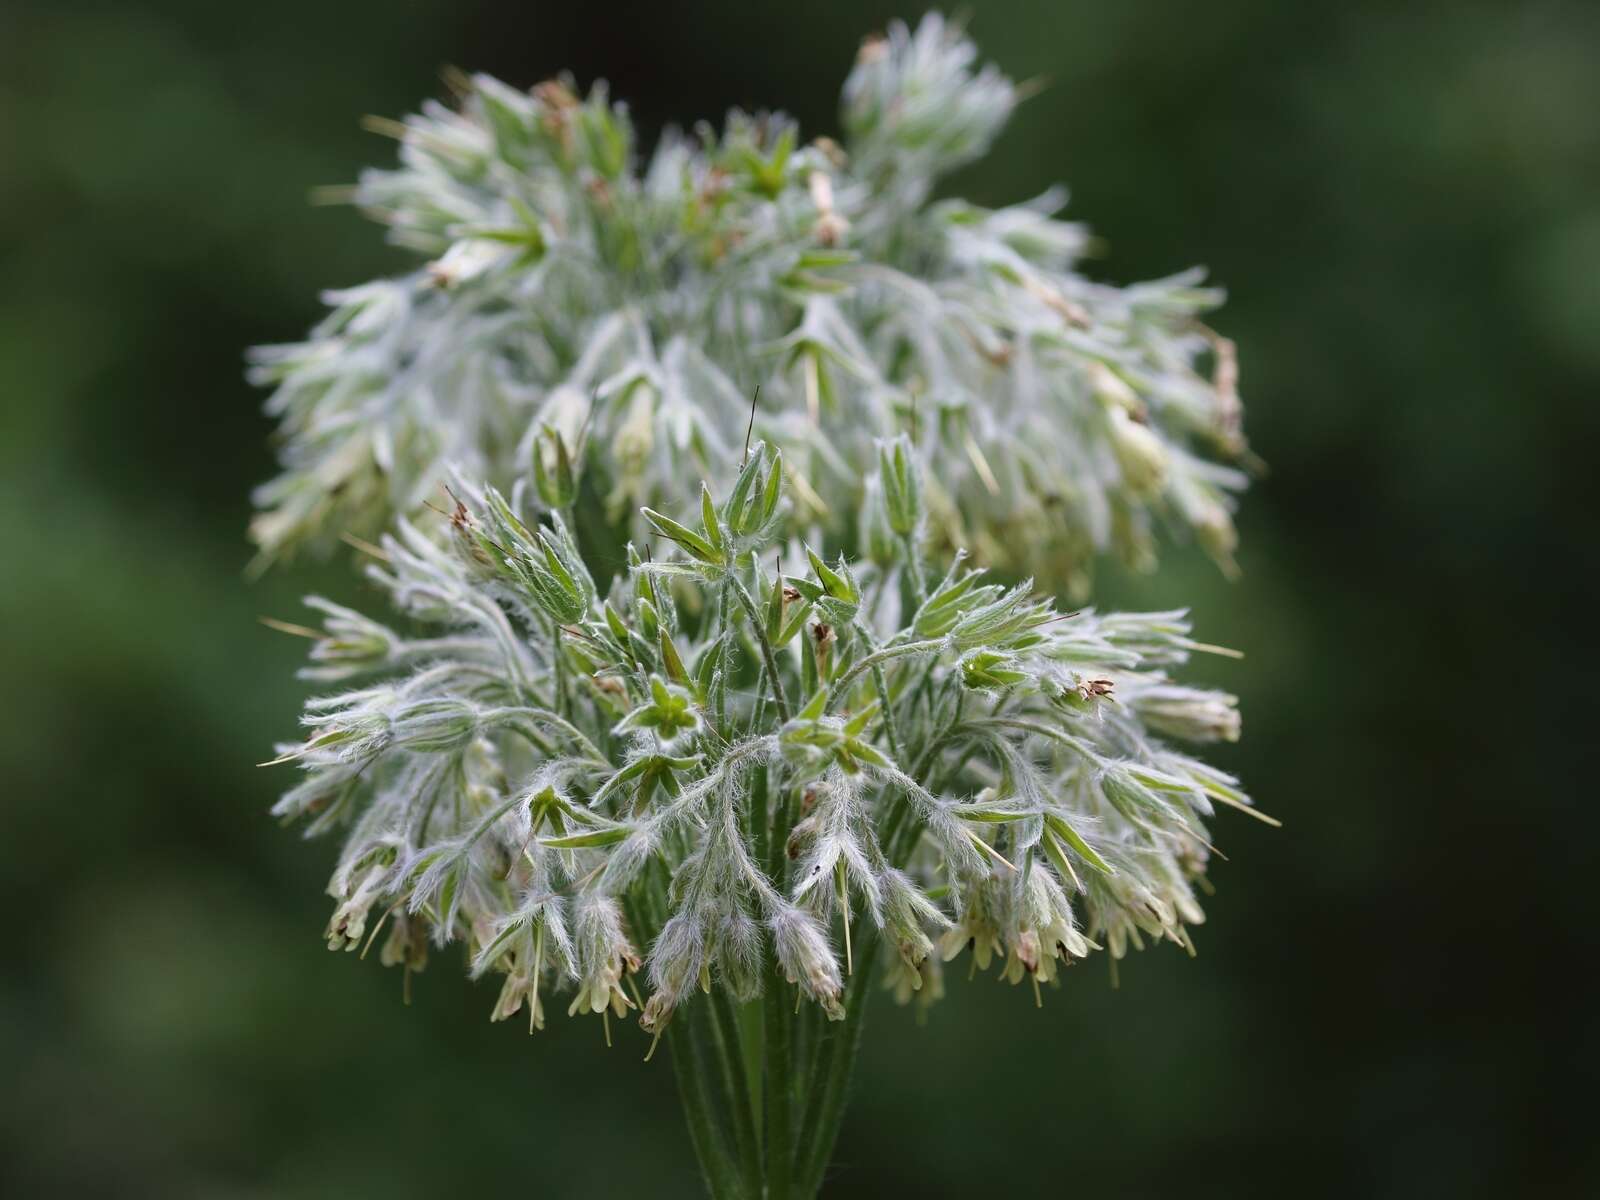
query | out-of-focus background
[1404, 202]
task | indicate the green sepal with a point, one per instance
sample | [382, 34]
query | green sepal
[609, 836]
[711, 525]
[1071, 837]
[671, 660]
[691, 541]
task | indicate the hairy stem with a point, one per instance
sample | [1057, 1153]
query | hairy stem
[880, 680]
[558, 660]
[720, 685]
[769, 660]
[877, 658]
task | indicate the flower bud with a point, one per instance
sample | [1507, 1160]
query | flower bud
[823, 640]
[352, 644]
[1128, 795]
[902, 486]
[635, 437]
[1140, 453]
[555, 577]
[1190, 713]
[1007, 620]
[466, 260]
[954, 596]
[753, 504]
[907, 914]
[831, 226]
[738, 953]
[805, 958]
[873, 535]
[1113, 391]
[835, 591]
[984, 670]
[676, 962]
[553, 474]
[352, 735]
[435, 726]
[1216, 533]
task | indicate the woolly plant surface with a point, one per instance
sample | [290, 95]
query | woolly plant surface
[690, 705]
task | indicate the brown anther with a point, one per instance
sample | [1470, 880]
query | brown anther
[554, 93]
[714, 185]
[832, 151]
[830, 229]
[999, 355]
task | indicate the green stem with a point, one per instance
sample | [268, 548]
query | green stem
[787, 1082]
[880, 681]
[877, 658]
[532, 713]
[724, 1029]
[779, 1029]
[560, 662]
[720, 687]
[919, 589]
[831, 1092]
[715, 1162]
[768, 659]
[780, 1119]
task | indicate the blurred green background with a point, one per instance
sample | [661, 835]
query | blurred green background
[1404, 201]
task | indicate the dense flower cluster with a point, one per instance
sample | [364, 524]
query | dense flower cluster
[718, 762]
[581, 300]
[712, 758]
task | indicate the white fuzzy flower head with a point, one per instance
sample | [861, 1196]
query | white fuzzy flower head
[578, 292]
[794, 738]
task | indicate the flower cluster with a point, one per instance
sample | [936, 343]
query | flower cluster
[729, 777]
[583, 304]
